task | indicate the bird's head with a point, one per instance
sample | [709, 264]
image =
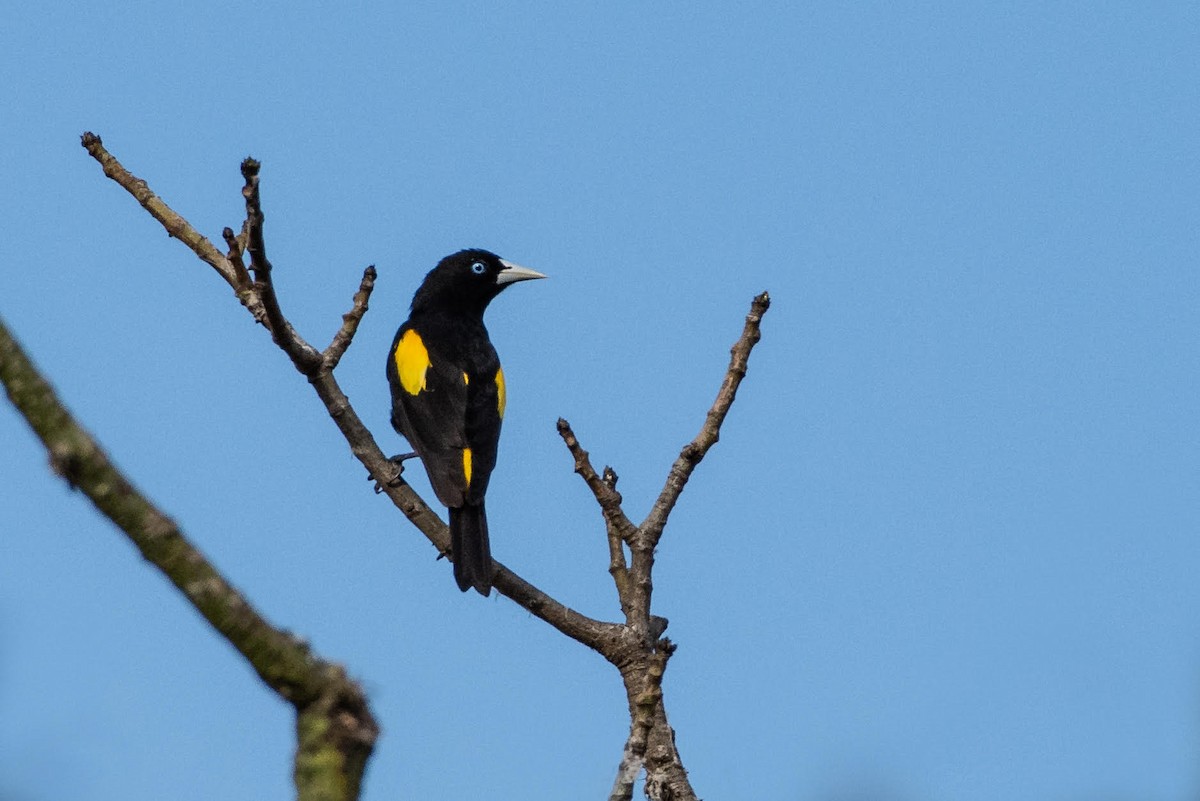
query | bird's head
[467, 281]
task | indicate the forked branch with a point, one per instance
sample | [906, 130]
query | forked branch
[303, 355]
[665, 775]
[261, 298]
[636, 647]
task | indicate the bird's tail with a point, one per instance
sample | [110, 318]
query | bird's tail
[470, 549]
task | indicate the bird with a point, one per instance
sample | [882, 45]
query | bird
[448, 396]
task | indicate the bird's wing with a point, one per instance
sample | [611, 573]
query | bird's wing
[429, 407]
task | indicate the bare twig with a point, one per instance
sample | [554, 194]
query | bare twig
[618, 568]
[350, 320]
[619, 528]
[176, 226]
[651, 529]
[337, 728]
[710, 432]
[237, 247]
[303, 355]
[606, 493]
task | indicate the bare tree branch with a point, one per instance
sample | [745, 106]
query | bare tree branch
[651, 743]
[618, 527]
[618, 567]
[636, 647]
[710, 432]
[176, 226]
[237, 248]
[651, 529]
[337, 730]
[643, 700]
[303, 355]
[628, 771]
[605, 492]
[592, 633]
[666, 778]
[350, 320]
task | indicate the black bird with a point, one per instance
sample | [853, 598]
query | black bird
[448, 396]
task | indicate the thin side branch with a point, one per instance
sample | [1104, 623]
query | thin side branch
[620, 530]
[338, 745]
[350, 320]
[176, 226]
[237, 248]
[605, 492]
[303, 355]
[710, 432]
[618, 568]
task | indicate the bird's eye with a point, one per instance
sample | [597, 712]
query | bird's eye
[479, 268]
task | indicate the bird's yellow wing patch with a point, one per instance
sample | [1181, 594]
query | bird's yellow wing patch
[467, 465]
[501, 392]
[412, 360]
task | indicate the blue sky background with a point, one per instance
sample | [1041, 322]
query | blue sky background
[946, 548]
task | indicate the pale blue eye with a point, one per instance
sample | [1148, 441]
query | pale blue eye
[479, 268]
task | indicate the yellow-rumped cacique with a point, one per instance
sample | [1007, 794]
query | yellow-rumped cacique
[448, 396]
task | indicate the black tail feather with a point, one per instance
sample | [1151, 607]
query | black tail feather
[470, 550]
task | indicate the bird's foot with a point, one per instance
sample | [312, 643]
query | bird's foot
[398, 460]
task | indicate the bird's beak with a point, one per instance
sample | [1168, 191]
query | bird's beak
[515, 272]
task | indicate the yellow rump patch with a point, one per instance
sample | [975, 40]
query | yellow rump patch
[412, 360]
[467, 465]
[466, 378]
[501, 392]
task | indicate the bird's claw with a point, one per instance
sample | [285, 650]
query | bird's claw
[398, 460]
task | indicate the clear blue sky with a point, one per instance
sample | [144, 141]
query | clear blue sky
[946, 549]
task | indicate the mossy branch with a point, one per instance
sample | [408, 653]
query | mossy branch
[337, 726]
